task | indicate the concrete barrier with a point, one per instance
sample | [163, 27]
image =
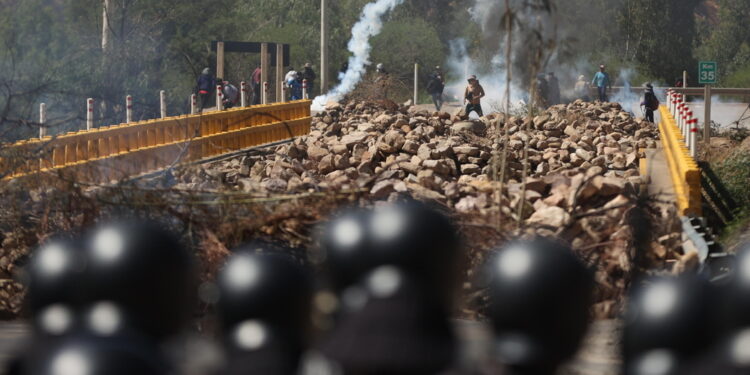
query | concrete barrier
[115, 152]
[685, 173]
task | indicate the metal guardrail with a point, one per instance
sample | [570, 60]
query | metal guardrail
[121, 151]
[685, 173]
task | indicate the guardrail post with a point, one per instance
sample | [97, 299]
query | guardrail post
[128, 109]
[416, 83]
[42, 120]
[243, 94]
[283, 92]
[193, 104]
[163, 103]
[688, 124]
[304, 89]
[89, 113]
[219, 98]
[265, 92]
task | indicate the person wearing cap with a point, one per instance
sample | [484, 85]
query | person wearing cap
[582, 89]
[650, 102]
[473, 95]
[205, 86]
[309, 75]
[602, 82]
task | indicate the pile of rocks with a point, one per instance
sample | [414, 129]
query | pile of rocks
[581, 161]
[434, 156]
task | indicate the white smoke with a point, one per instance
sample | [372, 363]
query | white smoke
[461, 65]
[370, 24]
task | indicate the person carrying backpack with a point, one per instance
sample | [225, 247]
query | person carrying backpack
[650, 102]
[205, 87]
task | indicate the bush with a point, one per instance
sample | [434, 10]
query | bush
[734, 172]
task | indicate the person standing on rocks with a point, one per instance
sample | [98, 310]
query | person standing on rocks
[582, 89]
[650, 102]
[602, 82]
[554, 89]
[435, 87]
[473, 95]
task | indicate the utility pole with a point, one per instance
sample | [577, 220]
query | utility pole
[105, 24]
[323, 47]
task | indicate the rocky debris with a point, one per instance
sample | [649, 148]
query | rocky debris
[581, 162]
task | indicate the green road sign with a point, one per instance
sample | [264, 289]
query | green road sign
[707, 72]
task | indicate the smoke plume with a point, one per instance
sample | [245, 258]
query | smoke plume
[370, 24]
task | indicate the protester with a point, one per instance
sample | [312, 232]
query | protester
[256, 85]
[295, 86]
[205, 86]
[309, 75]
[473, 95]
[231, 94]
[435, 87]
[582, 89]
[554, 89]
[381, 81]
[542, 91]
[602, 82]
[650, 102]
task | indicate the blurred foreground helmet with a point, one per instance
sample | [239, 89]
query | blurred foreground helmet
[540, 293]
[255, 347]
[669, 317]
[345, 243]
[84, 355]
[417, 239]
[264, 307]
[142, 268]
[735, 307]
[394, 328]
[268, 287]
[54, 275]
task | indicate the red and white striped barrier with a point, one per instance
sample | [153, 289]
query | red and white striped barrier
[89, 114]
[219, 98]
[163, 103]
[193, 104]
[265, 93]
[128, 109]
[243, 94]
[42, 120]
[283, 92]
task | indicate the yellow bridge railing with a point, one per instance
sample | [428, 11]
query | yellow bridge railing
[685, 173]
[115, 152]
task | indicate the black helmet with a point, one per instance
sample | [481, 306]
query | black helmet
[260, 286]
[143, 269]
[54, 275]
[527, 281]
[417, 239]
[668, 314]
[345, 244]
[82, 354]
[735, 309]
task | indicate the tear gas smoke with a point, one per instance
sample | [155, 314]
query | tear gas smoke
[370, 24]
